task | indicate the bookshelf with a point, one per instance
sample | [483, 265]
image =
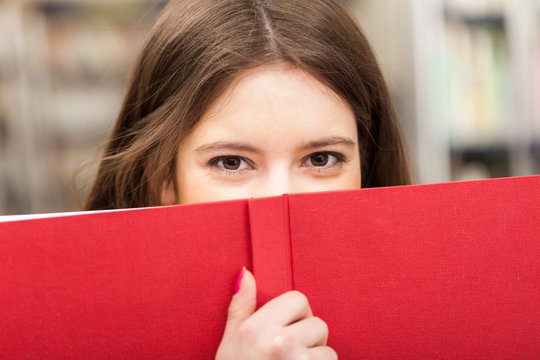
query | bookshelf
[491, 90]
[465, 79]
[62, 79]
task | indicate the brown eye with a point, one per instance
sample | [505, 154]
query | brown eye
[319, 159]
[232, 163]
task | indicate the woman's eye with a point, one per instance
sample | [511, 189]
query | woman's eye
[230, 164]
[325, 160]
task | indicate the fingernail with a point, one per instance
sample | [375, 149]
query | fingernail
[239, 279]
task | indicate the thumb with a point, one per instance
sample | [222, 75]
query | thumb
[244, 301]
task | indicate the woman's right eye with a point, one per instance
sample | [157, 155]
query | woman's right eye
[231, 165]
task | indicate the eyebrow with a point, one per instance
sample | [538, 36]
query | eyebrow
[328, 141]
[224, 145]
[239, 146]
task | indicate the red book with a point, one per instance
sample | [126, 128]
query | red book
[415, 272]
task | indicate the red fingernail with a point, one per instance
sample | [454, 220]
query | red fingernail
[239, 279]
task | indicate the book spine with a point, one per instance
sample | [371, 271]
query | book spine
[271, 246]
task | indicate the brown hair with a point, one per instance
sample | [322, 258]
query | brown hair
[198, 47]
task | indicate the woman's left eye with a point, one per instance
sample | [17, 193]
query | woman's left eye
[324, 160]
[230, 164]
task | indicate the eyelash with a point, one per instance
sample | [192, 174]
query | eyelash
[215, 163]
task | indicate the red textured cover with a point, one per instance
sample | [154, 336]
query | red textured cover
[440, 271]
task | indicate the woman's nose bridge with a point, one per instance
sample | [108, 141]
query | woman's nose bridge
[278, 180]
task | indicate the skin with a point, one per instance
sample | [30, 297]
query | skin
[275, 130]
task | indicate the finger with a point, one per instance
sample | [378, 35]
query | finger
[243, 303]
[283, 310]
[310, 332]
[318, 353]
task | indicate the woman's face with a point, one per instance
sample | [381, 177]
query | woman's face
[276, 130]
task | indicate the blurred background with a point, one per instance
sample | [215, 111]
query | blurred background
[464, 76]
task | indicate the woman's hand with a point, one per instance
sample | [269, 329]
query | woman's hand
[284, 328]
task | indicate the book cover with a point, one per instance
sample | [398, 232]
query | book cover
[426, 271]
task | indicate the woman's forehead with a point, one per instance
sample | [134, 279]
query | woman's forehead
[281, 99]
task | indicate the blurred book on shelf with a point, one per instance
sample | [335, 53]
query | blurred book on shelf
[477, 82]
[536, 77]
[478, 8]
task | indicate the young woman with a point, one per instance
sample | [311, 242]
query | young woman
[247, 98]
